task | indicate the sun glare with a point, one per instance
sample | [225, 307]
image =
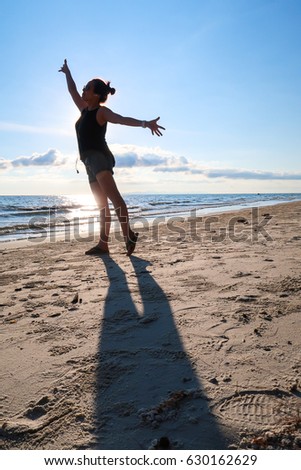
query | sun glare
[83, 199]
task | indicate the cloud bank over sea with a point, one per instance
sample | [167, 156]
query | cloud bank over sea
[154, 158]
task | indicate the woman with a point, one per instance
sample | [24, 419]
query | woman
[97, 157]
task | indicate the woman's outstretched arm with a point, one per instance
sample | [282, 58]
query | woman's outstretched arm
[104, 114]
[80, 103]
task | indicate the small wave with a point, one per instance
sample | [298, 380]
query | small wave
[169, 203]
[23, 209]
[13, 229]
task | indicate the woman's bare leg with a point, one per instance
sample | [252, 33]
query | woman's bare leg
[105, 215]
[109, 188]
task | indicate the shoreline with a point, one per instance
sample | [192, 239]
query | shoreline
[85, 235]
[196, 337]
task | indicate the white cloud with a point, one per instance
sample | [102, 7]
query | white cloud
[4, 164]
[231, 173]
[252, 174]
[166, 162]
[130, 157]
[50, 158]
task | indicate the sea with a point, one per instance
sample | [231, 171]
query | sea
[42, 218]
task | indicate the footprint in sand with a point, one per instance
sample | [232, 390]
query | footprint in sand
[258, 409]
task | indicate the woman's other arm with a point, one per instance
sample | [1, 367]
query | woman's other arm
[106, 115]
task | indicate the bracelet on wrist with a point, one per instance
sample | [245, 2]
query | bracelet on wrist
[143, 124]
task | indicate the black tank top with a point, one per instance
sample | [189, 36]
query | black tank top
[90, 135]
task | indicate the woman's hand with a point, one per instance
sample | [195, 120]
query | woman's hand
[78, 100]
[154, 127]
[64, 68]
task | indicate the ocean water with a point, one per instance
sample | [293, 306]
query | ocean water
[42, 217]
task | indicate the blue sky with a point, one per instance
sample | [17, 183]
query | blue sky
[223, 75]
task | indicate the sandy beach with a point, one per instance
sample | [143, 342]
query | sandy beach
[195, 338]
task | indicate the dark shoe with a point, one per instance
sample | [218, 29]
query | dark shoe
[96, 251]
[131, 244]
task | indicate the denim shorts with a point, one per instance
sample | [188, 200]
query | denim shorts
[96, 161]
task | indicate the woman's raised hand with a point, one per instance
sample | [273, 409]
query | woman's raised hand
[64, 67]
[154, 127]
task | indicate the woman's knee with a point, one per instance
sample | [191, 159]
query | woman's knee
[99, 195]
[108, 186]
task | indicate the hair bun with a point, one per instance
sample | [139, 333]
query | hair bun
[111, 90]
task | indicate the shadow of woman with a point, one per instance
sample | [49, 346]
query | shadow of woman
[146, 385]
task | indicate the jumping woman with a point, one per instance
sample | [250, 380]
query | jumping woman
[97, 157]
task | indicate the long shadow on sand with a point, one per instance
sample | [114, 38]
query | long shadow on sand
[146, 385]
